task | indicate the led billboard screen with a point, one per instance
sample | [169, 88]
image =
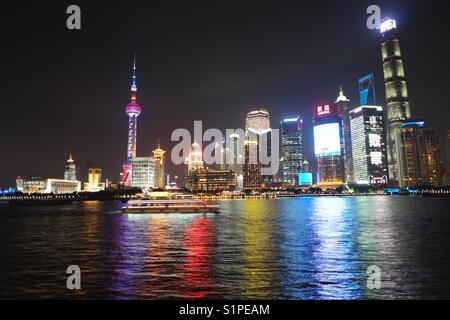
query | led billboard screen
[327, 141]
[305, 179]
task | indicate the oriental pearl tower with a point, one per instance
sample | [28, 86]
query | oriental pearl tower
[133, 110]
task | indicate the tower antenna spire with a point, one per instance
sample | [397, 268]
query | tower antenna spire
[133, 81]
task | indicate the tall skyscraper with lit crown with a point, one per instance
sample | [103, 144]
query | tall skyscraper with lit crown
[133, 110]
[398, 108]
[70, 173]
[343, 108]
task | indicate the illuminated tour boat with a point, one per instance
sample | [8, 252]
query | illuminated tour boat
[165, 202]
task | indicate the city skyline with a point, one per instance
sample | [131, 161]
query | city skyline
[157, 122]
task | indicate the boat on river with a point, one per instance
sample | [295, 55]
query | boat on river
[166, 202]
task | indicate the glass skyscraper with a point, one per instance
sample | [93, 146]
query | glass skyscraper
[368, 145]
[292, 149]
[366, 87]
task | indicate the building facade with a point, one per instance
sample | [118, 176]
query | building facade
[398, 107]
[420, 155]
[159, 159]
[368, 145]
[143, 173]
[94, 183]
[211, 180]
[292, 149]
[328, 147]
[47, 186]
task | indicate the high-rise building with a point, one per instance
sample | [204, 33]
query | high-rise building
[366, 86]
[211, 180]
[328, 146]
[292, 149]
[94, 183]
[70, 172]
[368, 145]
[143, 173]
[252, 168]
[258, 132]
[398, 108]
[160, 163]
[343, 107]
[258, 121]
[195, 159]
[133, 110]
[420, 155]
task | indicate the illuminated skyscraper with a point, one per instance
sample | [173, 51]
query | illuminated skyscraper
[195, 159]
[143, 173]
[368, 145]
[367, 95]
[160, 163]
[343, 107]
[398, 108]
[258, 121]
[70, 173]
[292, 149]
[329, 147]
[133, 110]
[258, 131]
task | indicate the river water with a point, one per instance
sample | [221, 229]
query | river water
[304, 248]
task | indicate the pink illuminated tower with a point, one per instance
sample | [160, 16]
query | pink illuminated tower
[133, 110]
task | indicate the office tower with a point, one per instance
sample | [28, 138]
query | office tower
[252, 168]
[195, 159]
[160, 163]
[292, 149]
[143, 173]
[257, 127]
[420, 155]
[133, 110]
[368, 145]
[94, 183]
[328, 147]
[342, 105]
[398, 108]
[366, 87]
[70, 172]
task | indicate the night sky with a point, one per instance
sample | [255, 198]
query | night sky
[65, 91]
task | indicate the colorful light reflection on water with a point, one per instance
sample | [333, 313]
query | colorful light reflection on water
[309, 248]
